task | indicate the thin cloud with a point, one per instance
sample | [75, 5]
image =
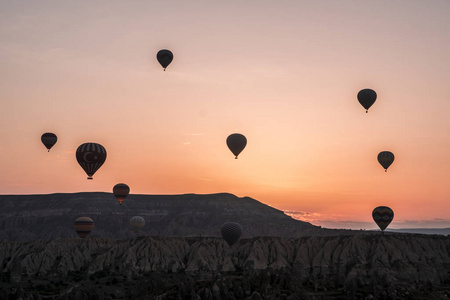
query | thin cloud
[205, 179]
[431, 223]
[312, 216]
[341, 222]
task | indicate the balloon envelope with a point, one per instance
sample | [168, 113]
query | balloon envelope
[164, 57]
[385, 158]
[84, 226]
[136, 223]
[367, 97]
[91, 157]
[121, 191]
[49, 139]
[383, 216]
[236, 142]
[231, 232]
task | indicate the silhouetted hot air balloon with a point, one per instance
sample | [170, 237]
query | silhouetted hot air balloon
[136, 223]
[121, 191]
[385, 158]
[231, 232]
[49, 139]
[164, 57]
[367, 97]
[84, 226]
[236, 142]
[91, 157]
[382, 215]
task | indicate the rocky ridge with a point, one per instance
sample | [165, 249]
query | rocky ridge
[379, 266]
[33, 217]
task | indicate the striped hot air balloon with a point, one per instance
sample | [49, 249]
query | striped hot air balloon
[231, 232]
[121, 191]
[91, 157]
[136, 223]
[84, 226]
[383, 216]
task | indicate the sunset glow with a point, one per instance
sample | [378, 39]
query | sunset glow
[284, 75]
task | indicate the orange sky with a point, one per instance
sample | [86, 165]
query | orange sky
[284, 75]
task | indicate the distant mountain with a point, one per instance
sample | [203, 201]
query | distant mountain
[390, 266]
[441, 231]
[31, 217]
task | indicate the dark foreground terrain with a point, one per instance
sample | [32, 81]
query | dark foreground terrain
[392, 266]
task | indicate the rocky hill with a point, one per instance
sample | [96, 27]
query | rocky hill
[395, 266]
[32, 217]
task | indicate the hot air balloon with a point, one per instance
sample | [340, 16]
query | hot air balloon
[136, 223]
[164, 57]
[84, 226]
[236, 142]
[382, 215]
[385, 158]
[49, 139]
[231, 232]
[91, 157]
[367, 97]
[121, 191]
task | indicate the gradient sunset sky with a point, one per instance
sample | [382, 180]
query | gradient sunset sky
[283, 73]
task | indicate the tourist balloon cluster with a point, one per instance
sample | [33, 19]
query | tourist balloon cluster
[382, 215]
[91, 156]
[85, 225]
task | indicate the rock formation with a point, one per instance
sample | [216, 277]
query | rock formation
[393, 266]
